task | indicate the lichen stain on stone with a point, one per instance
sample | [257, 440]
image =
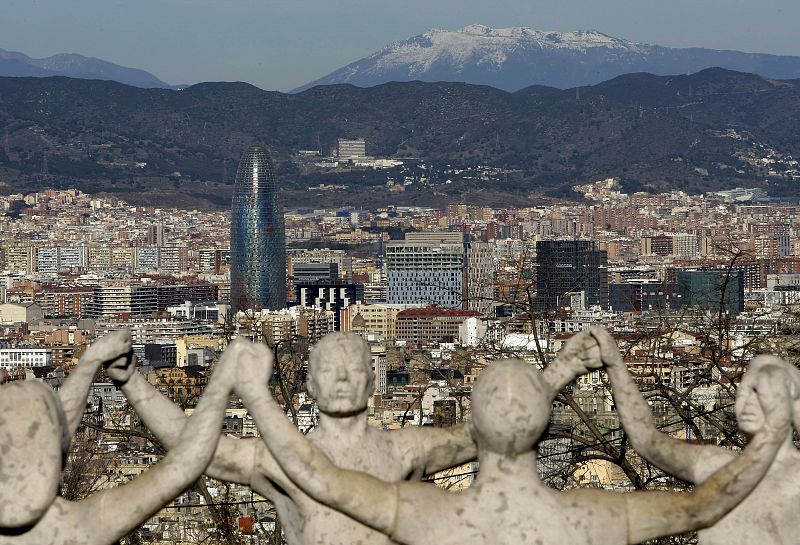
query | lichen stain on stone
[33, 429]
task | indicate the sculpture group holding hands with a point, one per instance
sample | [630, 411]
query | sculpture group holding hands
[349, 483]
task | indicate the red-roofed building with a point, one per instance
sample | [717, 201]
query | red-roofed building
[431, 324]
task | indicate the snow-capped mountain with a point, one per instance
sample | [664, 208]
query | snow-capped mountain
[13, 63]
[514, 58]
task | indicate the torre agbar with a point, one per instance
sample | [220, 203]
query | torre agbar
[258, 239]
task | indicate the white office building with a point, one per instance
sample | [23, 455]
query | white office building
[440, 268]
[349, 149]
[27, 358]
[426, 268]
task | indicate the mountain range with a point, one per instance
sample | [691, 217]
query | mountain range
[506, 58]
[711, 130]
[15, 64]
[515, 58]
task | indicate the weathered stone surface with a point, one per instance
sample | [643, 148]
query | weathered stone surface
[35, 430]
[341, 379]
[347, 483]
[509, 504]
[768, 515]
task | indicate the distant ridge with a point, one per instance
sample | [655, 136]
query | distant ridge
[16, 64]
[515, 58]
[712, 130]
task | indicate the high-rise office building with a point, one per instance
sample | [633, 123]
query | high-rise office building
[641, 296]
[570, 267]
[258, 240]
[711, 289]
[478, 277]
[426, 268]
[440, 268]
[155, 234]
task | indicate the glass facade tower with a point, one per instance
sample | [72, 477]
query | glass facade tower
[258, 238]
[570, 266]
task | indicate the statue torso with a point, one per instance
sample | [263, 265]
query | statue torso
[307, 522]
[520, 515]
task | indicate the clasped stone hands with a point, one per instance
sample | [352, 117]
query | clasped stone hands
[115, 351]
[253, 364]
[582, 351]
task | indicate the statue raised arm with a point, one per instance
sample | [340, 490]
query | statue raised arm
[509, 504]
[114, 348]
[342, 380]
[768, 515]
[34, 448]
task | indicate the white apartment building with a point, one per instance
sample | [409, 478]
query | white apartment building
[685, 246]
[146, 259]
[122, 298]
[52, 259]
[472, 332]
[146, 330]
[48, 260]
[74, 257]
[28, 358]
[347, 149]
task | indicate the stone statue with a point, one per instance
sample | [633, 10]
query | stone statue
[35, 431]
[508, 504]
[341, 380]
[769, 514]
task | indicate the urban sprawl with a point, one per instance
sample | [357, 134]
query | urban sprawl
[691, 286]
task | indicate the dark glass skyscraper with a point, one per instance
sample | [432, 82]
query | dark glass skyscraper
[570, 266]
[258, 238]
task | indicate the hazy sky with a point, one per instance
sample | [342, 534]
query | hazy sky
[282, 44]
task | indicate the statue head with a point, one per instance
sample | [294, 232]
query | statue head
[749, 412]
[510, 407]
[341, 376]
[33, 449]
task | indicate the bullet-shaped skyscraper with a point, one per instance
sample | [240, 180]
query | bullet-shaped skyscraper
[258, 238]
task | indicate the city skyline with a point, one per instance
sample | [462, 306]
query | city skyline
[287, 44]
[79, 266]
[617, 239]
